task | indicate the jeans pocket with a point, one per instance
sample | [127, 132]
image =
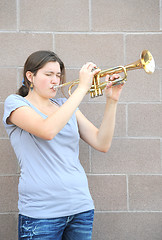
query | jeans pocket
[27, 227]
[31, 228]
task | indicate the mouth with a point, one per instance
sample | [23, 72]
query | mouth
[54, 87]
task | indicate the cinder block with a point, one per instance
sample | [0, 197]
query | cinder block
[8, 160]
[126, 15]
[108, 192]
[128, 156]
[135, 43]
[8, 193]
[8, 15]
[58, 15]
[2, 129]
[126, 226]
[145, 193]
[105, 50]
[8, 78]
[9, 226]
[95, 111]
[21, 45]
[141, 87]
[125, 183]
[145, 120]
[20, 76]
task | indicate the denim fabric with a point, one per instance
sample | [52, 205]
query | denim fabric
[75, 227]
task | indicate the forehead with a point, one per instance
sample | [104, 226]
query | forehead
[51, 66]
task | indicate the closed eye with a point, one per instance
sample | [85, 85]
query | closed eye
[48, 74]
[51, 74]
[58, 75]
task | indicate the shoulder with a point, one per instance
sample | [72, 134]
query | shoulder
[11, 103]
[14, 101]
[13, 98]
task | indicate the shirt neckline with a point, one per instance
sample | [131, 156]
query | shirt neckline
[37, 110]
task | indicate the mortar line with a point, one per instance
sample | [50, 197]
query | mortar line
[81, 32]
[131, 211]
[17, 15]
[160, 19]
[124, 174]
[161, 153]
[54, 43]
[127, 192]
[90, 15]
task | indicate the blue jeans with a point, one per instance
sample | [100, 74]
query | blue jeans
[75, 227]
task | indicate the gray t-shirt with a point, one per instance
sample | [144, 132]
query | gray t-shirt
[52, 181]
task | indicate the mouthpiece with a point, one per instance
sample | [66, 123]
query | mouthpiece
[57, 86]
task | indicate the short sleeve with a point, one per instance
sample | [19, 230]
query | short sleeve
[12, 102]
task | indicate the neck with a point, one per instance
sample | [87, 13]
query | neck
[37, 99]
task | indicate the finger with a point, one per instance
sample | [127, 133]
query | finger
[90, 65]
[114, 76]
[95, 71]
[107, 78]
[93, 68]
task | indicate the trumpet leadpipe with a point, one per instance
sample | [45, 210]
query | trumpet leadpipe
[57, 86]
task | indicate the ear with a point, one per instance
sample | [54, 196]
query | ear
[29, 76]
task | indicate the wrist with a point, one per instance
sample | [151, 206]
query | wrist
[82, 89]
[111, 101]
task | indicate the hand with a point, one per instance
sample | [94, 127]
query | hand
[113, 92]
[86, 75]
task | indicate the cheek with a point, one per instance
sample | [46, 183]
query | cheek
[58, 80]
[44, 83]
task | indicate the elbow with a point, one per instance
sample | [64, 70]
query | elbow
[47, 135]
[44, 131]
[105, 148]
[47, 138]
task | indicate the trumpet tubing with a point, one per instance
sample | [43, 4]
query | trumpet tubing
[145, 62]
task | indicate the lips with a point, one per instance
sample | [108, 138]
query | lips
[53, 88]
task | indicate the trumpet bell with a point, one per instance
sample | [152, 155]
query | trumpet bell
[147, 62]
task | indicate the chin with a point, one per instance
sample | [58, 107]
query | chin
[53, 94]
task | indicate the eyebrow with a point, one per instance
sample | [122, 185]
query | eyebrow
[52, 72]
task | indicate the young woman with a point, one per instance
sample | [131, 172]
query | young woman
[54, 199]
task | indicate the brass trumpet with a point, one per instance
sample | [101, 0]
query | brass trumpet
[146, 62]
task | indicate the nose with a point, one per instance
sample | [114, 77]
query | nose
[55, 79]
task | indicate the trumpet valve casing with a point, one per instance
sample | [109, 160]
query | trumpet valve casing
[95, 90]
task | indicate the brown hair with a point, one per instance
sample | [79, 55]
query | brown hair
[36, 61]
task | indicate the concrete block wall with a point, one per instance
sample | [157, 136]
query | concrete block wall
[125, 182]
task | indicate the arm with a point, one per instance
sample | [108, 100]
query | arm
[27, 119]
[101, 138]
